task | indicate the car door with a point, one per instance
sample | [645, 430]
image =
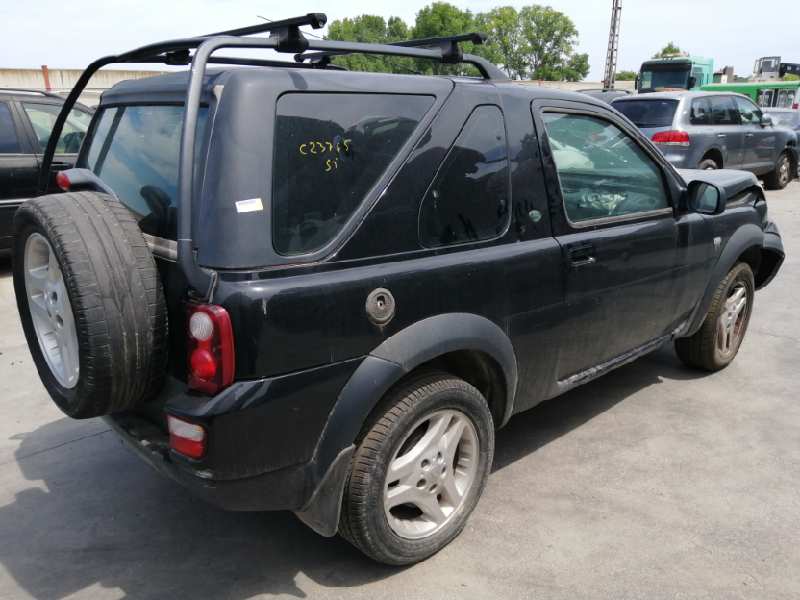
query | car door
[18, 170]
[18, 164]
[725, 119]
[622, 247]
[761, 147]
[40, 118]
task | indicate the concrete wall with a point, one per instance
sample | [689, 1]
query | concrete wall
[62, 80]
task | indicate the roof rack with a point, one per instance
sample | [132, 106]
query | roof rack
[451, 53]
[30, 91]
[285, 36]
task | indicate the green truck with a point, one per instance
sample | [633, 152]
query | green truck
[674, 73]
[767, 94]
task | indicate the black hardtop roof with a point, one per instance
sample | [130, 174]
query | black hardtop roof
[172, 86]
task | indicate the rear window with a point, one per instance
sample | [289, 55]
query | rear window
[648, 113]
[135, 151]
[330, 149]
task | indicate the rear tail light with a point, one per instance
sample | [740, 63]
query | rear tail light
[186, 438]
[672, 138]
[795, 106]
[62, 181]
[209, 348]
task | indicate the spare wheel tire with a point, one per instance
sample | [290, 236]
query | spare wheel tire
[91, 302]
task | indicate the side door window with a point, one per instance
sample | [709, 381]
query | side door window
[748, 112]
[723, 111]
[469, 199]
[42, 118]
[602, 171]
[9, 141]
[700, 112]
[765, 98]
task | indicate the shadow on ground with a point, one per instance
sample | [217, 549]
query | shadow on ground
[95, 517]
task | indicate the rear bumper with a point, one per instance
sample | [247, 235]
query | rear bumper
[262, 436]
[284, 489]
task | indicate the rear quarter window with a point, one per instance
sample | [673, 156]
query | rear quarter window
[648, 113]
[330, 150]
[135, 150]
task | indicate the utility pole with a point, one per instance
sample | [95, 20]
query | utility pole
[613, 46]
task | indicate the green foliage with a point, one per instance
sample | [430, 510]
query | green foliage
[669, 50]
[536, 41]
[625, 75]
[371, 29]
[791, 77]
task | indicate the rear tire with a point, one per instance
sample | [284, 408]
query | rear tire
[782, 175]
[717, 342]
[88, 246]
[443, 475]
[708, 164]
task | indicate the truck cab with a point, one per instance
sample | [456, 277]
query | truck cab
[674, 73]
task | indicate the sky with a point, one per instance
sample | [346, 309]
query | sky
[732, 32]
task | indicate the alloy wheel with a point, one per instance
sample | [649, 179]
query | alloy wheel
[51, 311]
[431, 474]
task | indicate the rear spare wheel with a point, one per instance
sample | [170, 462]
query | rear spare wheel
[91, 302]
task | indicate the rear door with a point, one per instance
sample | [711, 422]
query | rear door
[725, 119]
[18, 170]
[621, 244]
[18, 164]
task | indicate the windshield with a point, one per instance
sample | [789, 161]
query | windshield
[654, 79]
[648, 113]
[135, 150]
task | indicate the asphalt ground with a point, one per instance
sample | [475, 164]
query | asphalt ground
[652, 482]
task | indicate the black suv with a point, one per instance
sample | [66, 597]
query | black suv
[294, 287]
[26, 118]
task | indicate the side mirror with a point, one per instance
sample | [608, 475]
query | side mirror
[692, 83]
[705, 198]
[636, 83]
[766, 121]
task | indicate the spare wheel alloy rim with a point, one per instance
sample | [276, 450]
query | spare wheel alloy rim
[51, 311]
[431, 474]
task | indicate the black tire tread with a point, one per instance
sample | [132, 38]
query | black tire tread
[374, 437]
[116, 296]
[772, 179]
[698, 351]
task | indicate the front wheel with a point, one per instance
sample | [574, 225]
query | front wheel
[716, 343]
[419, 470]
[781, 176]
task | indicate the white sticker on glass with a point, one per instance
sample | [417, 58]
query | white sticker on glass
[251, 205]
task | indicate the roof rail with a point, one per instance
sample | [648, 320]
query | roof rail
[31, 91]
[285, 36]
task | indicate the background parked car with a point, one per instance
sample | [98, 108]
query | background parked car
[789, 118]
[714, 130]
[605, 95]
[26, 119]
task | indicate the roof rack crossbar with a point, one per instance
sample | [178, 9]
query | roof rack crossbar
[286, 31]
[448, 45]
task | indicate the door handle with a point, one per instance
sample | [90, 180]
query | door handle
[722, 135]
[581, 255]
[749, 134]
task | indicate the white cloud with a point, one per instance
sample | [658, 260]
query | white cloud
[71, 35]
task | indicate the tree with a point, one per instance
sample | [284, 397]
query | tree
[504, 46]
[577, 68]
[549, 39]
[791, 77]
[371, 29]
[669, 50]
[625, 75]
[438, 20]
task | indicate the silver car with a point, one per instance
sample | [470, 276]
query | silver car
[715, 130]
